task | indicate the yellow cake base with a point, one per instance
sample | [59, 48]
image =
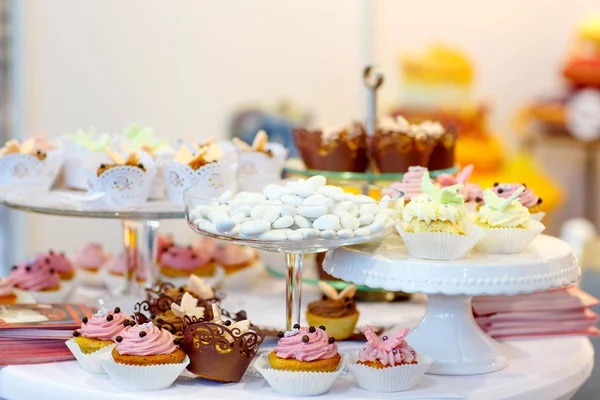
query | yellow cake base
[290, 364]
[89, 345]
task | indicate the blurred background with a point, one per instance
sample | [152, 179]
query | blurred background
[186, 69]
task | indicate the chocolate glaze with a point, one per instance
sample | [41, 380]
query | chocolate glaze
[442, 156]
[394, 152]
[347, 152]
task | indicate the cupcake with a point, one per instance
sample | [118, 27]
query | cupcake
[29, 163]
[181, 261]
[39, 280]
[259, 164]
[410, 184]
[335, 311]
[132, 160]
[472, 192]
[164, 243]
[235, 257]
[305, 349]
[89, 261]
[397, 145]
[96, 337]
[527, 198]
[7, 292]
[188, 305]
[121, 266]
[305, 362]
[83, 149]
[434, 224]
[146, 357]
[340, 150]
[220, 350]
[507, 224]
[59, 263]
[195, 286]
[387, 363]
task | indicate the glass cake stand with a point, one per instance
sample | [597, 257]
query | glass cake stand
[139, 226]
[294, 250]
[448, 332]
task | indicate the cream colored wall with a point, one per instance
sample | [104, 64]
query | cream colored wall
[181, 66]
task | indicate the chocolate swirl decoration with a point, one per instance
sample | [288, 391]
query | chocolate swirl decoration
[143, 313]
[160, 301]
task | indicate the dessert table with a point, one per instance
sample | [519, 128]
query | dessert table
[540, 369]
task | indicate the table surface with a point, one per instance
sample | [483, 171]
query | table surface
[550, 368]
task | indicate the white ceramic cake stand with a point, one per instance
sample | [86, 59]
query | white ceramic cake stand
[448, 331]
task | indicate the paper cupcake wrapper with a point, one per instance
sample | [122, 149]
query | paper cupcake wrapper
[297, 383]
[539, 216]
[392, 379]
[126, 186]
[441, 245]
[257, 170]
[210, 180]
[90, 278]
[147, 377]
[78, 162]
[25, 169]
[90, 362]
[509, 240]
[52, 296]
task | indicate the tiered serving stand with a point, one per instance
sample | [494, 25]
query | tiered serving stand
[139, 225]
[448, 331]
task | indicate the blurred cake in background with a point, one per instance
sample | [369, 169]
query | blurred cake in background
[342, 149]
[276, 120]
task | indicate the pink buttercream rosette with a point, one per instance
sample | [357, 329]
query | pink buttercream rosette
[393, 351]
[301, 383]
[410, 184]
[146, 377]
[97, 327]
[40, 281]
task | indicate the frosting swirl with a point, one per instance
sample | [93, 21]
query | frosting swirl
[527, 197]
[6, 287]
[392, 350]
[183, 258]
[234, 254]
[104, 325]
[92, 256]
[423, 208]
[57, 261]
[503, 213]
[146, 340]
[34, 276]
[410, 184]
[317, 347]
[332, 308]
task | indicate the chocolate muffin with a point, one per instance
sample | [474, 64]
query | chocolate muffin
[341, 150]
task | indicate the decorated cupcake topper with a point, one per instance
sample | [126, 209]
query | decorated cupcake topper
[385, 343]
[199, 287]
[242, 326]
[14, 147]
[188, 306]
[333, 294]
[86, 139]
[447, 195]
[492, 200]
[258, 144]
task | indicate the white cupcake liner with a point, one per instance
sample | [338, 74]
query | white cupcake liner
[53, 296]
[256, 170]
[388, 380]
[538, 216]
[441, 245]
[147, 377]
[28, 170]
[90, 278]
[89, 362]
[297, 383]
[78, 162]
[509, 240]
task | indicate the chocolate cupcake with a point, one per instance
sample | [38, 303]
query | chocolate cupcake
[442, 156]
[342, 150]
[397, 145]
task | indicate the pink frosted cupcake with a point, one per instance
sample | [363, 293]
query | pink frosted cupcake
[305, 362]
[89, 261]
[181, 262]
[527, 198]
[410, 184]
[387, 363]
[146, 357]
[37, 278]
[472, 192]
[58, 262]
[165, 242]
[234, 257]
[96, 337]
